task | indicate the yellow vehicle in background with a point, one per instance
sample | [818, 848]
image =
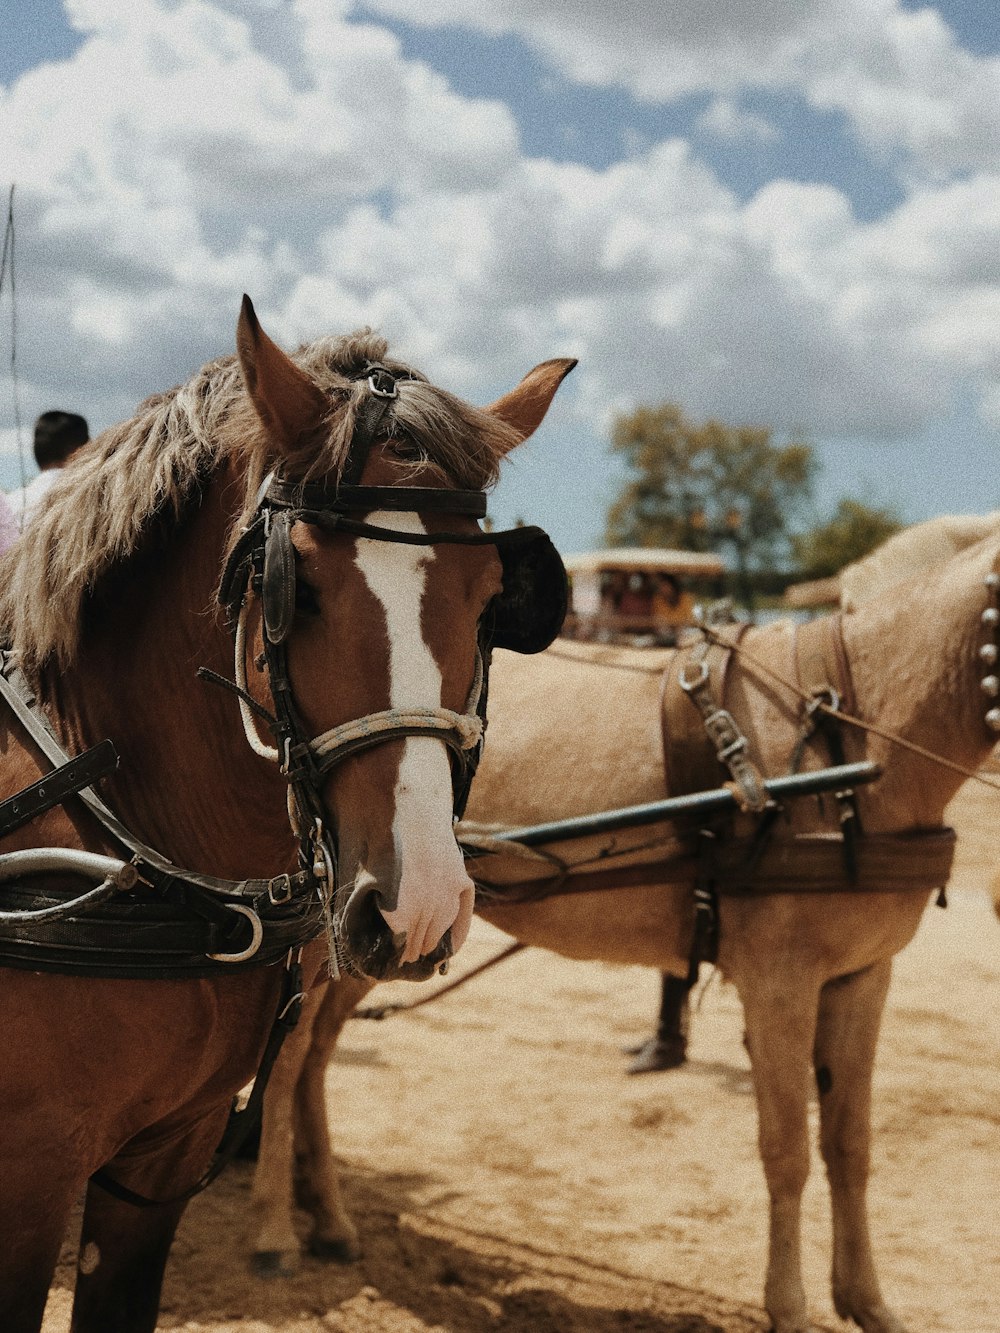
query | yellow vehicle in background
[638, 595]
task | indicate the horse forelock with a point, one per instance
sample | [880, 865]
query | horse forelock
[155, 465]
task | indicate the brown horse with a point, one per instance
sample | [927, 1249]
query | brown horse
[365, 599]
[576, 730]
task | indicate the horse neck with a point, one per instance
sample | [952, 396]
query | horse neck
[188, 783]
[916, 673]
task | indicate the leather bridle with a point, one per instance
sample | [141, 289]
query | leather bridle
[263, 562]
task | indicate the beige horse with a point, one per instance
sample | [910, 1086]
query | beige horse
[912, 549]
[577, 729]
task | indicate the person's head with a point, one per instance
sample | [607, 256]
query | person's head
[57, 435]
[670, 589]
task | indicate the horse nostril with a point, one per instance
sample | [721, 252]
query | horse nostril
[361, 915]
[370, 948]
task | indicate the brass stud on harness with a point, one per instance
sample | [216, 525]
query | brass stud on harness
[989, 652]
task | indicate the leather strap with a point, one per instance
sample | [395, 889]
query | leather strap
[821, 659]
[57, 786]
[689, 761]
[17, 693]
[698, 673]
[146, 935]
[917, 862]
[823, 672]
[364, 499]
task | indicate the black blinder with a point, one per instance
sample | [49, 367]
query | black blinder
[278, 590]
[530, 611]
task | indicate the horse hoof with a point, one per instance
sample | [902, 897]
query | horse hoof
[656, 1054]
[274, 1263]
[335, 1251]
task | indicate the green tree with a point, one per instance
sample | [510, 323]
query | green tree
[699, 486]
[854, 530]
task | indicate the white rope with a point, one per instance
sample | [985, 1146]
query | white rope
[467, 727]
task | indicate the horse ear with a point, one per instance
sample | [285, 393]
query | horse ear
[524, 407]
[286, 399]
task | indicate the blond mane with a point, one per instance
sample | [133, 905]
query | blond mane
[104, 501]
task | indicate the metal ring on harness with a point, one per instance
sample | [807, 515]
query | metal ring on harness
[255, 942]
[823, 698]
[688, 685]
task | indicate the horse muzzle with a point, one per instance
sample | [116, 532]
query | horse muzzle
[367, 947]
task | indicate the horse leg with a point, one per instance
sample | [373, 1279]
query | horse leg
[334, 1234]
[124, 1247]
[780, 1012]
[30, 1250]
[274, 1244]
[850, 1013]
[122, 1257]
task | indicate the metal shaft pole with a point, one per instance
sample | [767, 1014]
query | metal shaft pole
[695, 803]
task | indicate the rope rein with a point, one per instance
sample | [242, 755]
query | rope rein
[377, 1012]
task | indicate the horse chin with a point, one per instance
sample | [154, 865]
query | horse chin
[366, 947]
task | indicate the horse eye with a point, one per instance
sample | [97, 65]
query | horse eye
[405, 449]
[306, 600]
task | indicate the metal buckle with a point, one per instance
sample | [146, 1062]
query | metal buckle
[376, 381]
[821, 699]
[724, 733]
[689, 686]
[323, 869]
[279, 890]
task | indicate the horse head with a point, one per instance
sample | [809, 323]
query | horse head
[379, 599]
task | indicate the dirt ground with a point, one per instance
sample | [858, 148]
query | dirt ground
[508, 1177]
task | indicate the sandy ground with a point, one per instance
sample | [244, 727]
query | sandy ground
[508, 1176]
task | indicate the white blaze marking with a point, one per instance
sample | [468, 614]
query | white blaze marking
[432, 873]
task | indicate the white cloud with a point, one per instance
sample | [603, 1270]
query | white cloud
[898, 76]
[726, 119]
[177, 160]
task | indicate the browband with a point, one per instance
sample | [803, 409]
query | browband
[363, 499]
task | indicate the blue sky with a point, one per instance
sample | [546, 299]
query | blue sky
[769, 212]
